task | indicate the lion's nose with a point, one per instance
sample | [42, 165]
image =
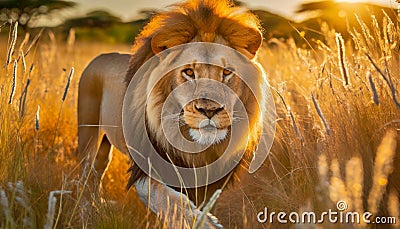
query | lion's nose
[208, 111]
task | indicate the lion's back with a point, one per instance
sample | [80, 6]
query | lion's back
[104, 80]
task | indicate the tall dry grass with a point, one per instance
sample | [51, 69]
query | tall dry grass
[38, 167]
[338, 139]
[338, 124]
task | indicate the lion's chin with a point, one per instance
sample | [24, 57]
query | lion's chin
[208, 136]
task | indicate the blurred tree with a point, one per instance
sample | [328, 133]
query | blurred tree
[97, 18]
[316, 6]
[27, 12]
[275, 25]
[147, 13]
[238, 3]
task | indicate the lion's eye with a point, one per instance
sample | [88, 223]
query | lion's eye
[227, 72]
[188, 72]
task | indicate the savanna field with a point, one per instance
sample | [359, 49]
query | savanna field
[337, 139]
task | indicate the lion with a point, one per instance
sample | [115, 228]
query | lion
[104, 82]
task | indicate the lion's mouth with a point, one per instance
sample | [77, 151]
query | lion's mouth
[209, 128]
[207, 133]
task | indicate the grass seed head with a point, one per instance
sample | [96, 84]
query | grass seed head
[383, 167]
[342, 59]
[71, 74]
[14, 82]
[11, 47]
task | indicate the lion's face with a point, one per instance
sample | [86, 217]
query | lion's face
[206, 120]
[203, 100]
[205, 96]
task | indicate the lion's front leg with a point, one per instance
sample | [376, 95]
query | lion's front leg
[174, 208]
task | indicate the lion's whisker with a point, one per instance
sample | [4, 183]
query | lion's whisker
[182, 123]
[238, 119]
[171, 116]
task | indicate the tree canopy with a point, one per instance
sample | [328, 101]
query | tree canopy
[27, 12]
[97, 18]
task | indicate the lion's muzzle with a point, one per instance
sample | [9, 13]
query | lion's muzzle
[207, 107]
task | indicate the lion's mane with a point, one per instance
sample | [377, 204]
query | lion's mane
[204, 19]
[195, 21]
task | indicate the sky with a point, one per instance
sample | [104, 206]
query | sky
[128, 9]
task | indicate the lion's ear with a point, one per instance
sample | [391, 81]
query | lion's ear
[178, 32]
[165, 40]
[245, 39]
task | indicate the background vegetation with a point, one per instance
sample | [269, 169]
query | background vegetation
[336, 92]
